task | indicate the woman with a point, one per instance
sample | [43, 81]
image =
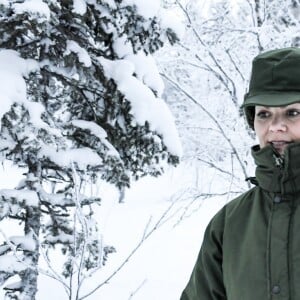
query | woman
[251, 247]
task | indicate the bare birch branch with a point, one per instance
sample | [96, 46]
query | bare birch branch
[222, 71]
[235, 65]
[211, 164]
[220, 127]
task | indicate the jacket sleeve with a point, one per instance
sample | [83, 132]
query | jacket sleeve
[206, 281]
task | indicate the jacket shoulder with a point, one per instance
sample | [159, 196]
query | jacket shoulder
[249, 205]
[245, 199]
[238, 208]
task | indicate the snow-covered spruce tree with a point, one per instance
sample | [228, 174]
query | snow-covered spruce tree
[80, 101]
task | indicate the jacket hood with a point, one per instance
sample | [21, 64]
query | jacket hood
[275, 173]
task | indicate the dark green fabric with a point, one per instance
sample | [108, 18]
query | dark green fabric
[251, 248]
[275, 80]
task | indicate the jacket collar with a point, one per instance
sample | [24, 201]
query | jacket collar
[275, 173]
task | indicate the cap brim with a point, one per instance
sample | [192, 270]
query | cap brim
[272, 99]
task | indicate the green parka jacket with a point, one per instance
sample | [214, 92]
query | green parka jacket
[251, 247]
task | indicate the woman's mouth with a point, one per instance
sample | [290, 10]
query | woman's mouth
[280, 145]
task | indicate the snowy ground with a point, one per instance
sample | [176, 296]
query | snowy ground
[161, 267]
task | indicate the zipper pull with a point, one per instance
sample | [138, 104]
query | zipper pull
[278, 161]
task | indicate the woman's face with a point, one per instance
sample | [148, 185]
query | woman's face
[278, 126]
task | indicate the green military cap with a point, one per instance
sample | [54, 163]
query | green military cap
[275, 80]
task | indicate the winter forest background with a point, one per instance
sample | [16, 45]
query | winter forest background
[121, 136]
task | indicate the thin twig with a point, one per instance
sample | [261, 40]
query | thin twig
[80, 215]
[220, 127]
[19, 259]
[211, 164]
[137, 289]
[235, 65]
[157, 225]
[211, 55]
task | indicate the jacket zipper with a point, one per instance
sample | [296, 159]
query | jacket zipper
[270, 223]
[279, 162]
[290, 252]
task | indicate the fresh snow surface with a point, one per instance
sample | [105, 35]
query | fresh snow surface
[35, 7]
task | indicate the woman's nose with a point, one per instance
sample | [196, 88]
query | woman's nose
[277, 124]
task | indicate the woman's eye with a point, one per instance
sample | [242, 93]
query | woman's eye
[263, 114]
[293, 113]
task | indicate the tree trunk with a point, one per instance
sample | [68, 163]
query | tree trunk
[259, 22]
[32, 226]
[29, 277]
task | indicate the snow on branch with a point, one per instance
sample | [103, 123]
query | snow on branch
[24, 242]
[82, 54]
[98, 131]
[20, 196]
[147, 9]
[12, 83]
[36, 8]
[144, 105]
[11, 264]
[83, 157]
[79, 6]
